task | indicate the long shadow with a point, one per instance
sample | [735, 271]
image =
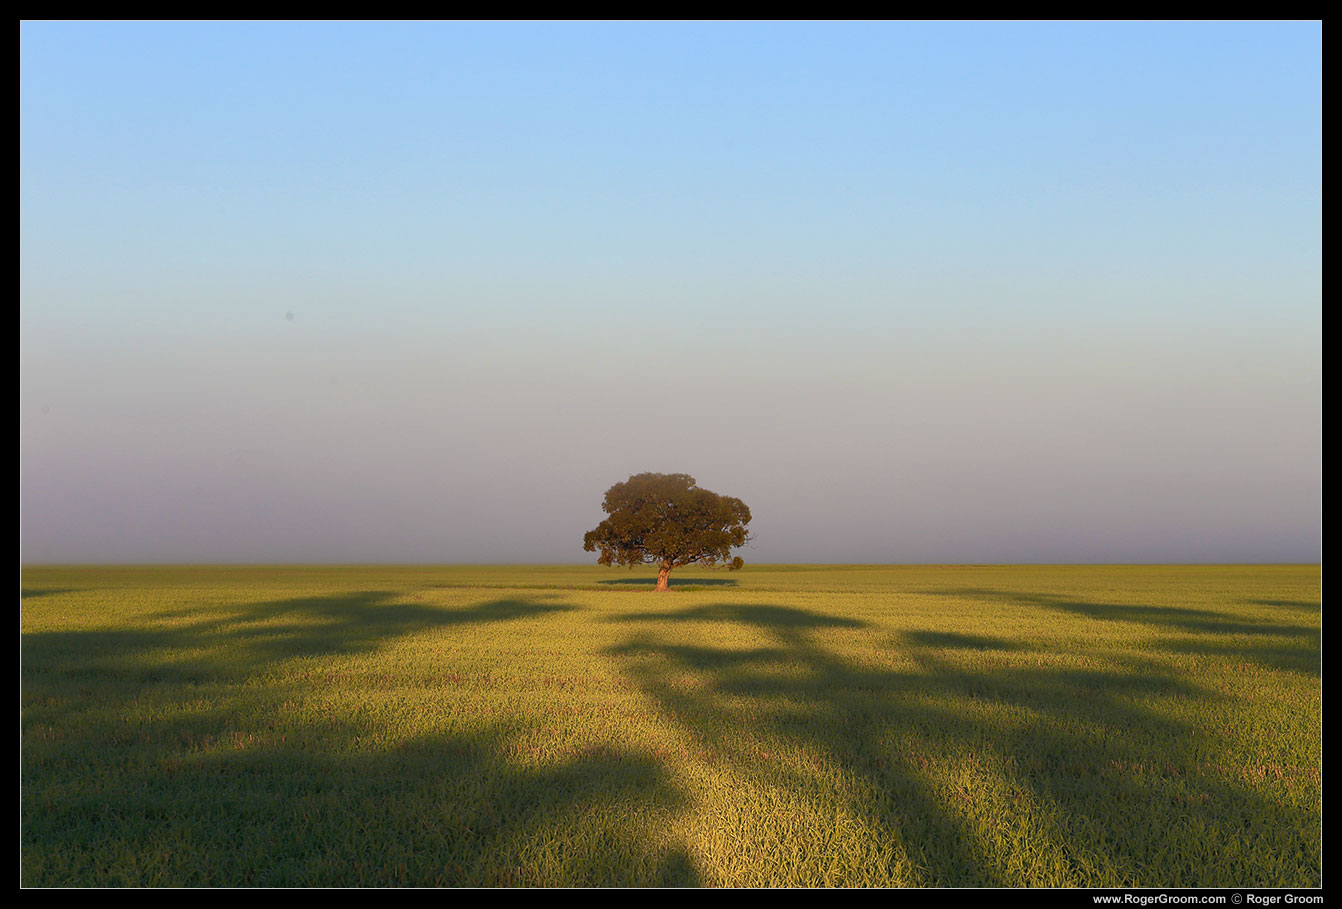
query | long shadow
[1175, 617]
[952, 640]
[1104, 786]
[178, 646]
[247, 810]
[1191, 631]
[765, 615]
[363, 620]
[29, 593]
[191, 753]
[1302, 605]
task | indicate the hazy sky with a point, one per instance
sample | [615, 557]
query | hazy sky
[915, 292]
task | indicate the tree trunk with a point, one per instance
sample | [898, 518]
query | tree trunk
[663, 577]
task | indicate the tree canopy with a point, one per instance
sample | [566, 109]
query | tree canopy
[664, 519]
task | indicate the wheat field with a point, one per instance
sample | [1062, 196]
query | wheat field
[887, 726]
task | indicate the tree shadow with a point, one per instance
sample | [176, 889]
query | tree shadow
[180, 646]
[1297, 647]
[244, 809]
[28, 593]
[761, 614]
[674, 582]
[1095, 776]
[193, 753]
[1176, 617]
[951, 640]
[1302, 605]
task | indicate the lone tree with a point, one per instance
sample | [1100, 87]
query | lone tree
[663, 519]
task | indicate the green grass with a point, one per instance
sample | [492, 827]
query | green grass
[783, 725]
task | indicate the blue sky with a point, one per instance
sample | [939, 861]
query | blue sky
[916, 292]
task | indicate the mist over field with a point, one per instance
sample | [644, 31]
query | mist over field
[914, 292]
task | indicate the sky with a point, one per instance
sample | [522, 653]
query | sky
[915, 292]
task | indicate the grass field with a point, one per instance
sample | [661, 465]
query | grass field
[782, 725]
